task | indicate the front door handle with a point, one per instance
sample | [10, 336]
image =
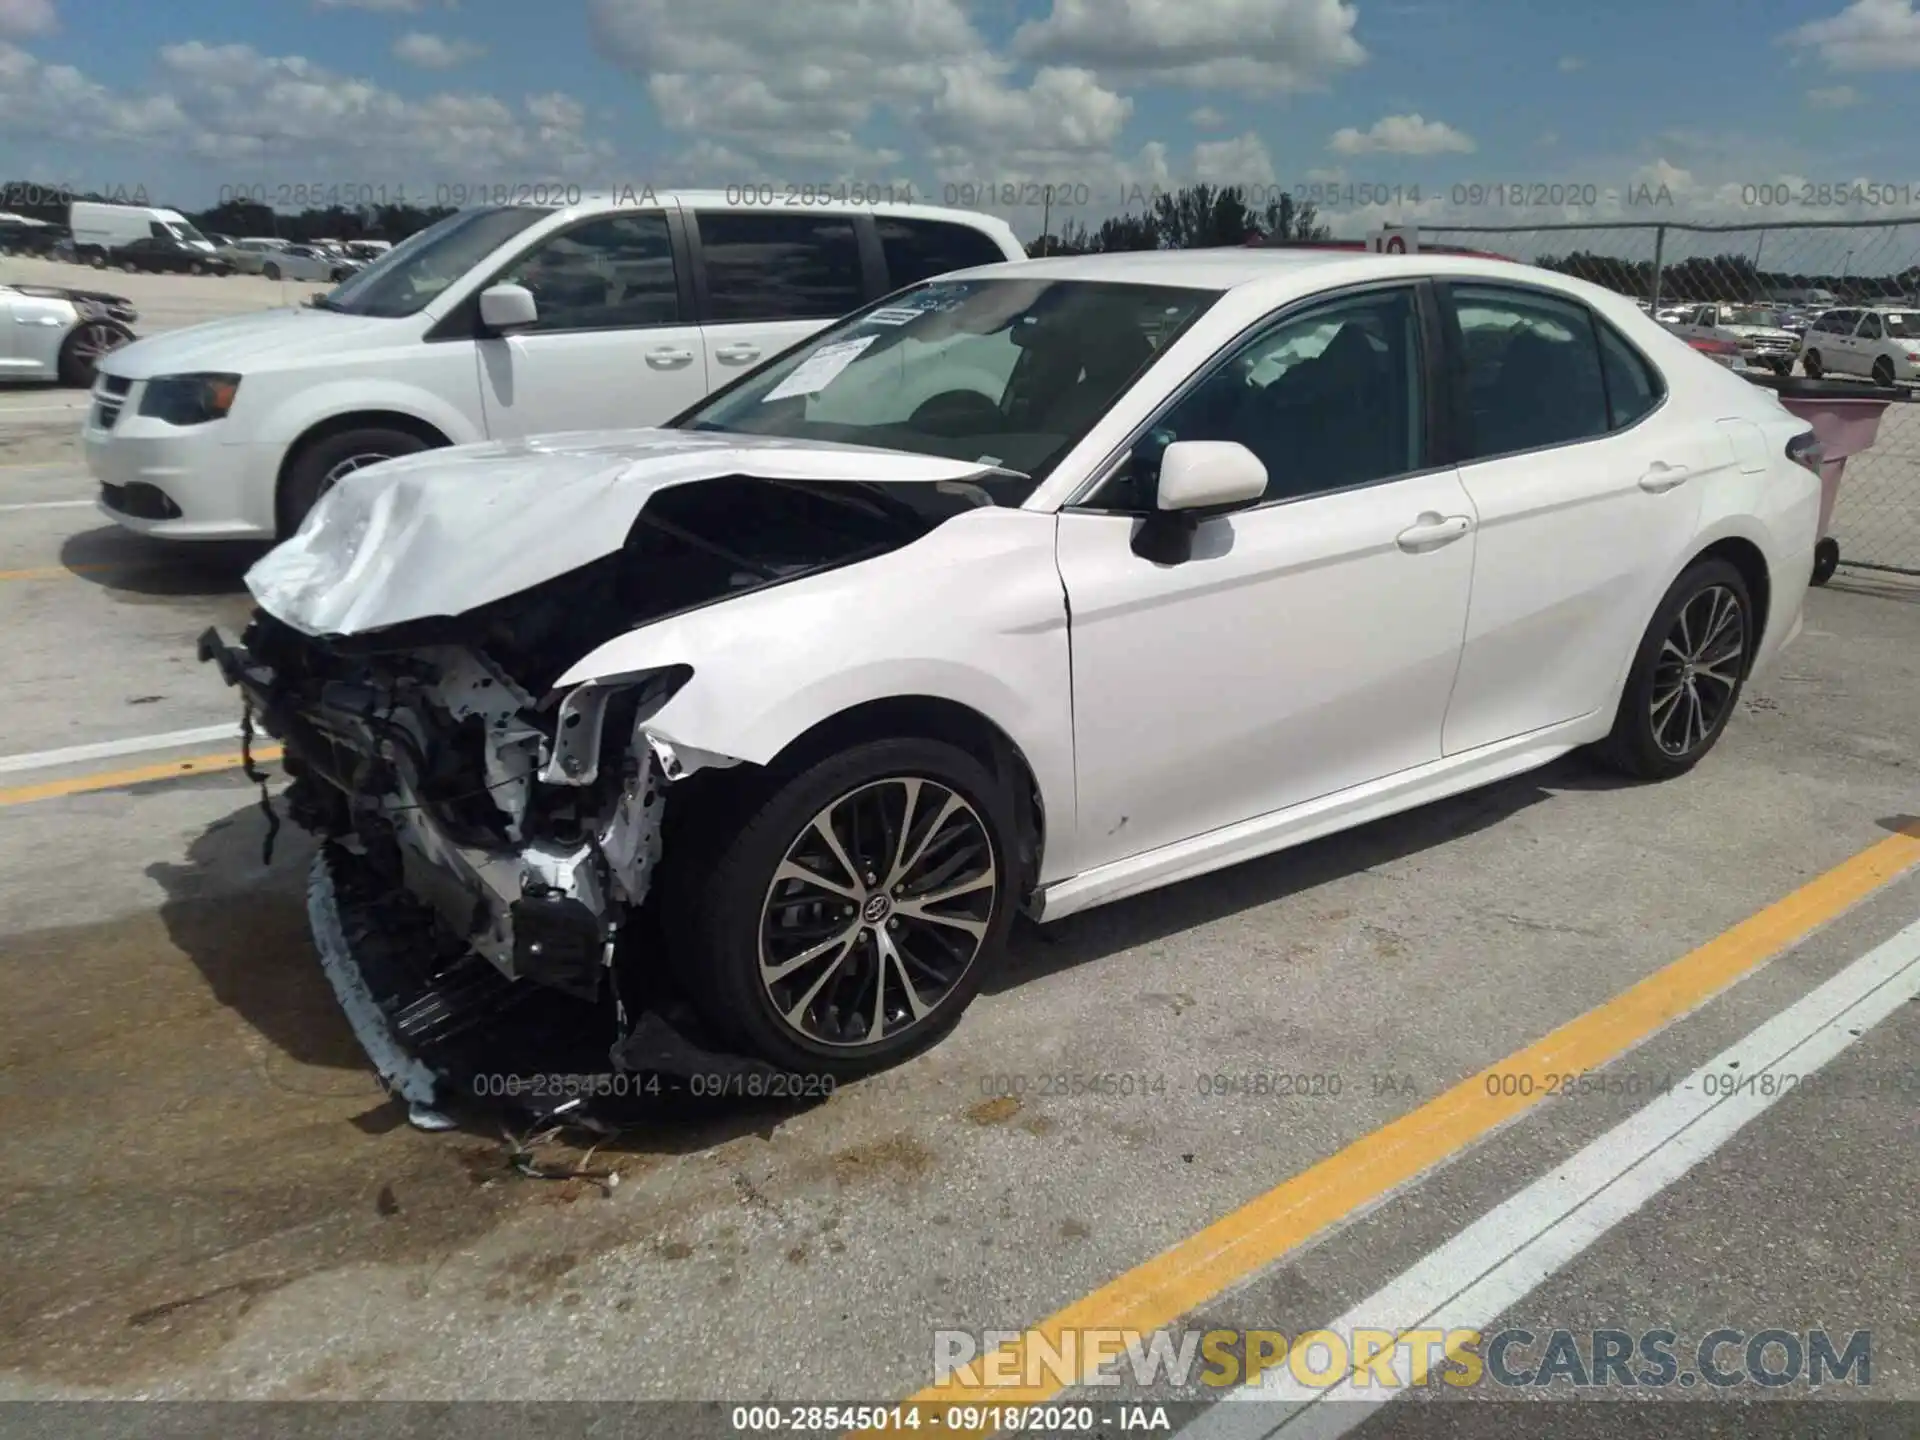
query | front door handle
[1662, 477]
[1431, 531]
[667, 358]
[736, 354]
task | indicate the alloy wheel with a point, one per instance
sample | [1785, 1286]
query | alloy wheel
[877, 910]
[91, 342]
[346, 467]
[1698, 672]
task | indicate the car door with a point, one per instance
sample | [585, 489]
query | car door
[766, 279]
[1836, 343]
[1866, 344]
[1587, 489]
[614, 346]
[1309, 643]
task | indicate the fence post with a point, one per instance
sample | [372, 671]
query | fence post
[1659, 248]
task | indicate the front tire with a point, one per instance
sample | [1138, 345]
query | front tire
[270, 271]
[1883, 372]
[81, 352]
[322, 464]
[1811, 364]
[849, 921]
[1686, 676]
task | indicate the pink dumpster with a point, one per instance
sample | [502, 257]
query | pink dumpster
[1846, 419]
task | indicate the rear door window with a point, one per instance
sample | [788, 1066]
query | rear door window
[918, 250]
[778, 266]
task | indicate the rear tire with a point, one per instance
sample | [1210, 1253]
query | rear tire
[1686, 676]
[270, 271]
[1883, 372]
[315, 470]
[1826, 560]
[732, 916]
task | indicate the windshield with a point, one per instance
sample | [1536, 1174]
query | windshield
[1902, 322]
[181, 230]
[1753, 315]
[407, 278]
[1004, 372]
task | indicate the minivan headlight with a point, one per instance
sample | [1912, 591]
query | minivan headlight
[189, 399]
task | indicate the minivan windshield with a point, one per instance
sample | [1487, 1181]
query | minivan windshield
[181, 230]
[407, 278]
[1005, 372]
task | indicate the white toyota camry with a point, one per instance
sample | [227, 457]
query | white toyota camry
[1031, 587]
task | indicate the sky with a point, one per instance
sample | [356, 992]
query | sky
[1407, 111]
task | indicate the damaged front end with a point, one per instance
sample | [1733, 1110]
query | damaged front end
[490, 837]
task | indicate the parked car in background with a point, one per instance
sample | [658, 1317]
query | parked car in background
[500, 322]
[1881, 342]
[22, 235]
[99, 229]
[304, 262]
[367, 251]
[246, 256]
[48, 332]
[167, 254]
[974, 605]
[1756, 329]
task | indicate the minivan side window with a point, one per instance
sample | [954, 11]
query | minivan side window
[1533, 370]
[611, 273]
[918, 250]
[767, 265]
[1870, 326]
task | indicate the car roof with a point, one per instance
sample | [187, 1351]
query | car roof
[1281, 268]
[774, 197]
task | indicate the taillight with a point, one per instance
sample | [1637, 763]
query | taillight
[1806, 451]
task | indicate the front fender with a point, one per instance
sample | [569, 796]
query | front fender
[972, 613]
[303, 407]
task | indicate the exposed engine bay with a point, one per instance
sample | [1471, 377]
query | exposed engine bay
[517, 825]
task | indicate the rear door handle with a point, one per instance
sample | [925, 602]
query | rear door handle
[1662, 477]
[736, 354]
[1431, 531]
[667, 358]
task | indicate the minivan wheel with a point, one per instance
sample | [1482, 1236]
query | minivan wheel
[1686, 675]
[850, 920]
[1883, 371]
[1811, 364]
[321, 465]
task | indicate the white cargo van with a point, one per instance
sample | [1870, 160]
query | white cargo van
[99, 228]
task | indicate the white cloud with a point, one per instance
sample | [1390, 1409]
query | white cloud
[799, 84]
[1571, 63]
[1867, 35]
[1248, 45]
[1401, 135]
[1241, 161]
[289, 121]
[435, 52]
[1206, 118]
[26, 19]
[1833, 97]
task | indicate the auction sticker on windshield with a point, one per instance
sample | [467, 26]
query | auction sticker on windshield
[818, 370]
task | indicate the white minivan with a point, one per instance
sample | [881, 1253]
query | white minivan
[495, 323]
[98, 228]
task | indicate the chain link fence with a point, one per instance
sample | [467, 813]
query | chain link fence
[1778, 277]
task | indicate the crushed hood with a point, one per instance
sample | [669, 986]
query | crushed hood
[446, 531]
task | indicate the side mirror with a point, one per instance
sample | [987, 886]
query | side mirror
[1198, 480]
[505, 308]
[1209, 475]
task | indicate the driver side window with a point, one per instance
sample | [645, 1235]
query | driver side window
[1327, 399]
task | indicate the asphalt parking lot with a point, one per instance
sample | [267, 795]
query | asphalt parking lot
[205, 1193]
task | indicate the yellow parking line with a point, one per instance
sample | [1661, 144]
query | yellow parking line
[139, 775]
[1201, 1267]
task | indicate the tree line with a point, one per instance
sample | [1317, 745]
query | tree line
[1194, 217]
